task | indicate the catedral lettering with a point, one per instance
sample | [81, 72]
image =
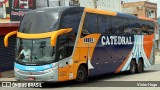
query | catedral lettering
[116, 40]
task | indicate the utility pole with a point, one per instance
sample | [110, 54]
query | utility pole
[48, 3]
[95, 3]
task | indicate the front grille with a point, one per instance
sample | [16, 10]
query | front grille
[30, 73]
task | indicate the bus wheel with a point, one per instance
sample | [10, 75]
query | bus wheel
[81, 74]
[140, 66]
[132, 67]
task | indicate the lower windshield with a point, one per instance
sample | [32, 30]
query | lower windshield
[37, 51]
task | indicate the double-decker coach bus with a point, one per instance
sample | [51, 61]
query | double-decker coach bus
[73, 43]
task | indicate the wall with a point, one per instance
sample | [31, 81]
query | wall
[102, 4]
[87, 3]
[138, 8]
[144, 9]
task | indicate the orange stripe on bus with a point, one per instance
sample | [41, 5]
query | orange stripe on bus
[148, 44]
[144, 18]
[124, 62]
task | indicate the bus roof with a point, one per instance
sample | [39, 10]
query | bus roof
[111, 13]
[92, 10]
[60, 9]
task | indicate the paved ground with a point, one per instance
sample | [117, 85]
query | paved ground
[8, 74]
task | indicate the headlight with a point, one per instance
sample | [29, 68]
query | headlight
[16, 69]
[48, 70]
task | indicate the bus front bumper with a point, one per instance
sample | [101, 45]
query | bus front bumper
[50, 75]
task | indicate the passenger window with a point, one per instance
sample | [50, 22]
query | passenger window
[117, 25]
[144, 27]
[66, 42]
[90, 25]
[65, 46]
[136, 27]
[127, 26]
[104, 24]
[151, 27]
[71, 20]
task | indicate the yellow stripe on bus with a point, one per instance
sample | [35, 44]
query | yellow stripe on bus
[34, 36]
[144, 18]
[90, 10]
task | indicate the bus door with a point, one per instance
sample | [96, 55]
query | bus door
[64, 51]
[88, 39]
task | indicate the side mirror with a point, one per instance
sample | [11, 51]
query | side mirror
[57, 33]
[7, 37]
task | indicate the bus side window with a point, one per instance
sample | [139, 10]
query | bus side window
[71, 20]
[127, 26]
[64, 46]
[104, 24]
[143, 28]
[90, 25]
[117, 25]
[151, 27]
[136, 27]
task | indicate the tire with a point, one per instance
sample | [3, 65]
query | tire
[81, 74]
[140, 66]
[132, 67]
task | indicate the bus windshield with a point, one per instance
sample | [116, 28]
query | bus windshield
[37, 51]
[39, 22]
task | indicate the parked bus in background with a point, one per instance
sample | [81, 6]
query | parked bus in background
[73, 43]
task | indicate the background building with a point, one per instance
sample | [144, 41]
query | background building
[102, 4]
[7, 55]
[153, 1]
[143, 8]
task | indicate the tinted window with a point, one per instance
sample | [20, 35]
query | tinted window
[71, 20]
[143, 27]
[39, 22]
[151, 27]
[90, 25]
[104, 24]
[127, 25]
[65, 46]
[67, 41]
[117, 25]
[136, 27]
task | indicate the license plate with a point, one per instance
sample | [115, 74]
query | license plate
[31, 78]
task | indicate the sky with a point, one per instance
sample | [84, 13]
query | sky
[155, 1]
